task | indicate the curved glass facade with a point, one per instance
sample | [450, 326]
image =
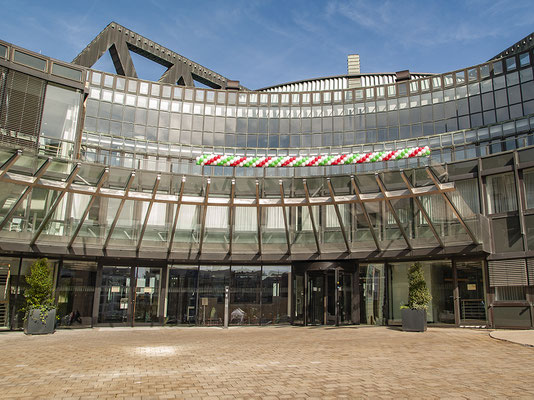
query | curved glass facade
[101, 171]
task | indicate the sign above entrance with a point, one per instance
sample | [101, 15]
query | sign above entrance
[311, 161]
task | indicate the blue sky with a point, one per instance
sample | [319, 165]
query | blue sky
[262, 43]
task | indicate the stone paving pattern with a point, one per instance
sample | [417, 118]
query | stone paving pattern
[263, 362]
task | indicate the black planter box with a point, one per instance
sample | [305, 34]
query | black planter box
[413, 320]
[34, 326]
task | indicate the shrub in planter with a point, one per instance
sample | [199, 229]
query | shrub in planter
[40, 311]
[414, 313]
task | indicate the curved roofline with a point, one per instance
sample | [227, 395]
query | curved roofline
[343, 76]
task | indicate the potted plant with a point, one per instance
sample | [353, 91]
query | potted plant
[414, 313]
[40, 311]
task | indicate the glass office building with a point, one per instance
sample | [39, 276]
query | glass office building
[99, 174]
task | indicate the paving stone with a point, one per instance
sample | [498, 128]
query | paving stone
[263, 362]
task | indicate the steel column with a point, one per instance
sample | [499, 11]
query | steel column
[258, 216]
[232, 217]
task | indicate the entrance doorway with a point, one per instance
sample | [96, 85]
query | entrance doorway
[129, 295]
[327, 295]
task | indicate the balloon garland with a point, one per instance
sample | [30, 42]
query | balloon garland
[310, 161]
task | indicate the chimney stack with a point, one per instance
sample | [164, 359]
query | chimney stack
[353, 68]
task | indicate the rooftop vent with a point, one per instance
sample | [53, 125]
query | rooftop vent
[402, 75]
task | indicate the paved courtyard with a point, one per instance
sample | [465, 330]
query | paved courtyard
[266, 362]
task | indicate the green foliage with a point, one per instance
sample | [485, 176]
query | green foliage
[40, 291]
[419, 297]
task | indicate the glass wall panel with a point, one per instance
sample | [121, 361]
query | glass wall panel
[159, 224]
[528, 179]
[444, 220]
[274, 294]
[8, 196]
[362, 237]
[331, 230]
[187, 235]
[75, 292]
[438, 277]
[129, 224]
[146, 297]
[60, 117]
[245, 293]
[182, 294]
[273, 229]
[114, 295]
[303, 238]
[217, 229]
[372, 294]
[211, 283]
[245, 235]
[501, 193]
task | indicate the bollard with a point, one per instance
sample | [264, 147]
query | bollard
[226, 305]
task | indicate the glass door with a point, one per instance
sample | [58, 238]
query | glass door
[146, 296]
[316, 298]
[345, 297]
[115, 295]
[299, 299]
[372, 294]
[471, 292]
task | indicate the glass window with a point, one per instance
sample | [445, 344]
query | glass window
[501, 193]
[497, 67]
[510, 63]
[60, 113]
[29, 60]
[66, 72]
[528, 180]
[3, 51]
[524, 59]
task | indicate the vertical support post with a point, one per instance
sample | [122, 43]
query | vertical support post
[306, 295]
[355, 298]
[456, 294]
[232, 218]
[226, 305]
[337, 289]
[258, 216]
[96, 297]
